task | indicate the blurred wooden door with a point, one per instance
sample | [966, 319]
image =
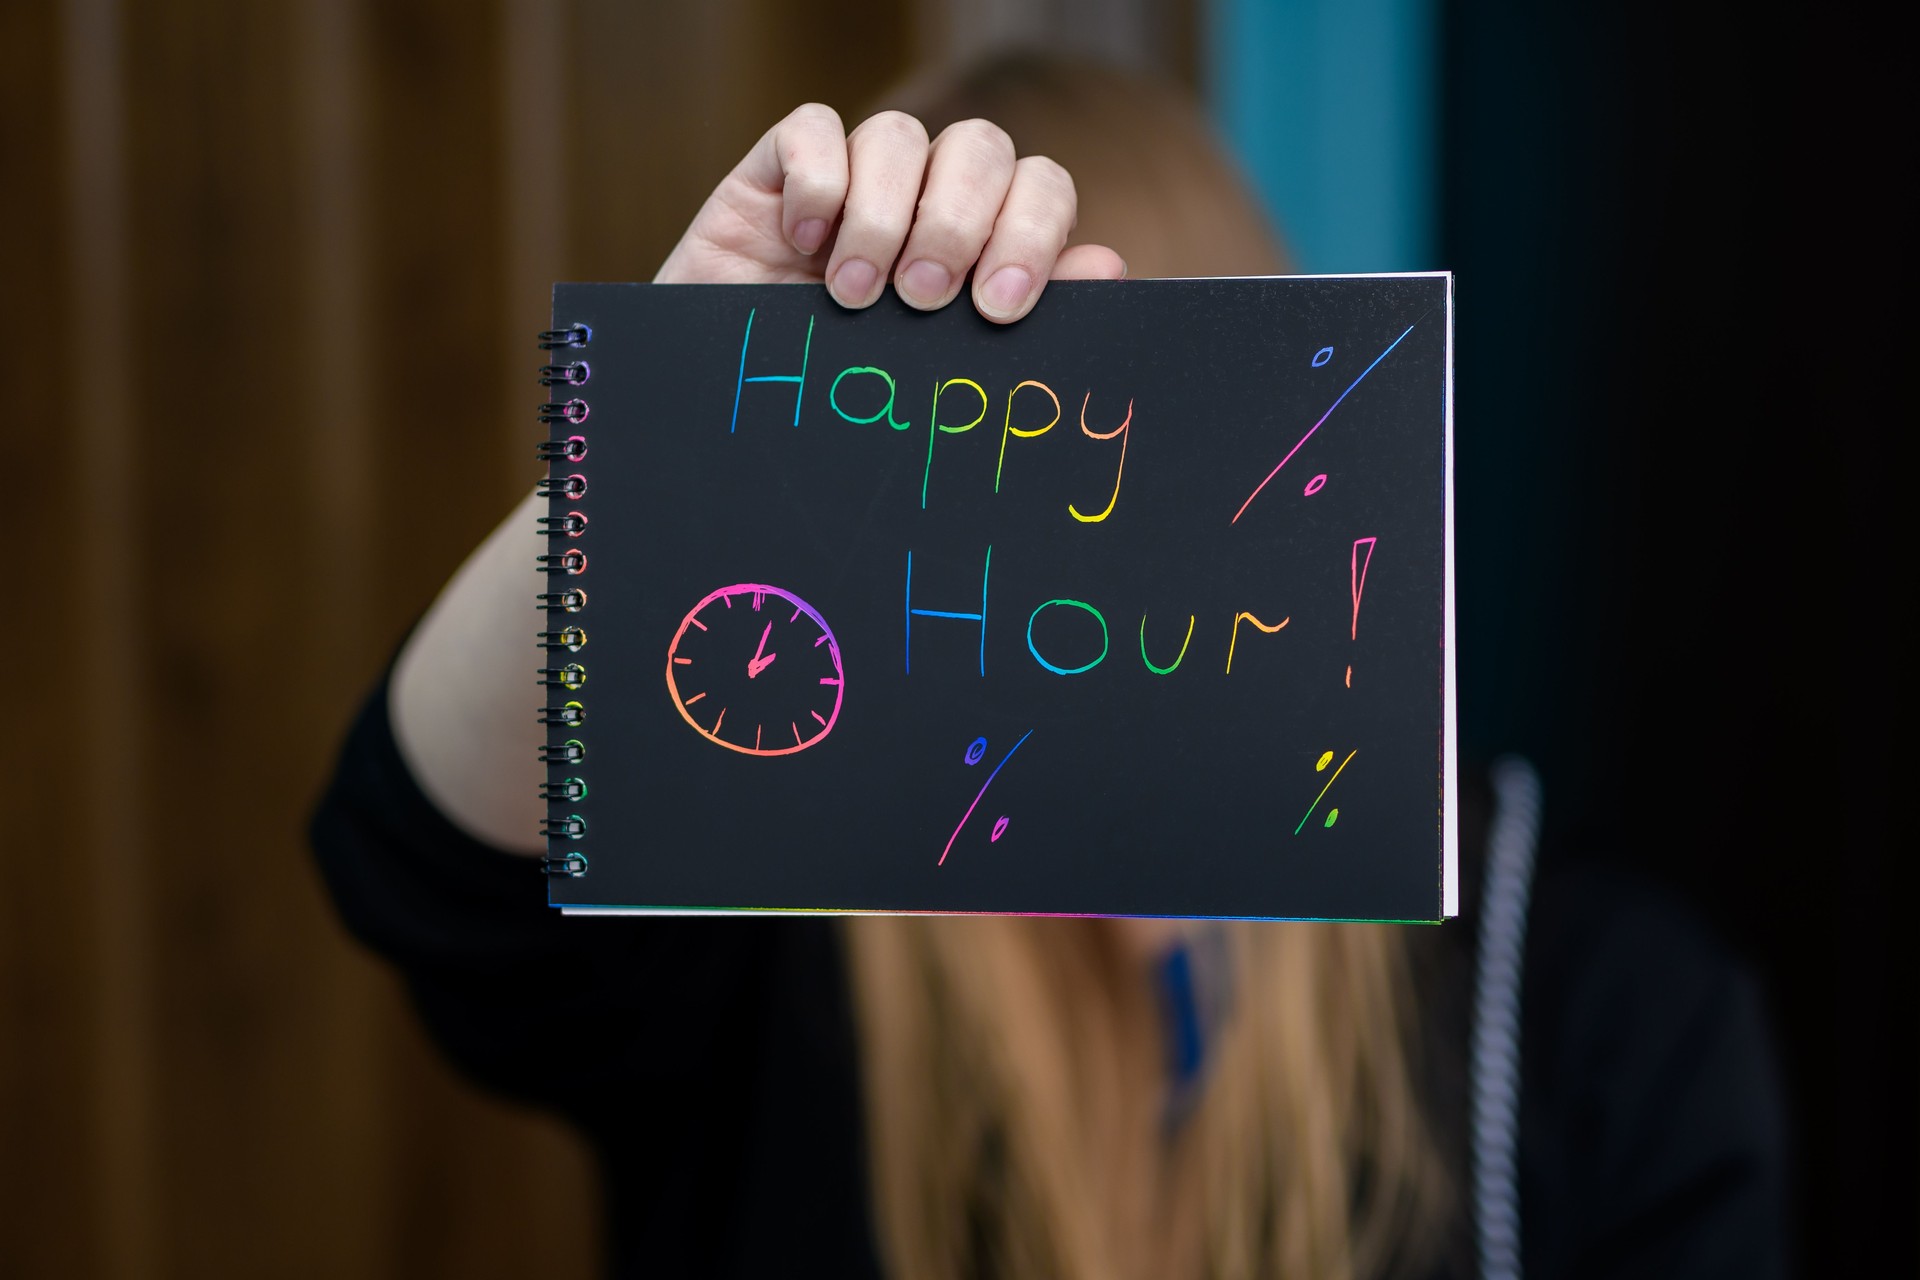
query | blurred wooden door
[272, 272]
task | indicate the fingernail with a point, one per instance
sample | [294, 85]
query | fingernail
[925, 282]
[1123, 268]
[808, 235]
[1005, 291]
[853, 283]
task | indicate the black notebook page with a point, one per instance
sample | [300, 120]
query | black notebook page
[1181, 651]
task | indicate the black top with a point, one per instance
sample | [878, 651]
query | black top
[711, 1063]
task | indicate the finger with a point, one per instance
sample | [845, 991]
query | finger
[803, 160]
[887, 155]
[969, 170]
[1089, 262]
[1027, 238]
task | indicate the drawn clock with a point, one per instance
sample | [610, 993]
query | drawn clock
[756, 669]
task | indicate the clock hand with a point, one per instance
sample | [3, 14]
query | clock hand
[756, 664]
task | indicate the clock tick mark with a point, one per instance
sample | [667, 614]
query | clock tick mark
[756, 737]
[758, 597]
[717, 723]
[817, 716]
[685, 662]
[796, 615]
[829, 680]
[796, 731]
[696, 697]
[696, 622]
[817, 643]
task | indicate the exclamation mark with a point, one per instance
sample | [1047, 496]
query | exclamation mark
[1357, 575]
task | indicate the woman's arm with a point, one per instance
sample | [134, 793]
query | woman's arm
[462, 695]
[809, 203]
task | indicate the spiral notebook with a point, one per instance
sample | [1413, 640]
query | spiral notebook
[1141, 606]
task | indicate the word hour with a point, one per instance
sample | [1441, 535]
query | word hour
[1062, 665]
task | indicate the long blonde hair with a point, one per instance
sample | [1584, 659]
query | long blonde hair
[1014, 1076]
[1014, 1069]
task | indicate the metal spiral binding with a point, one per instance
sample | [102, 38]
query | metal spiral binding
[577, 335]
[573, 449]
[571, 864]
[565, 375]
[573, 411]
[572, 751]
[571, 827]
[562, 601]
[560, 527]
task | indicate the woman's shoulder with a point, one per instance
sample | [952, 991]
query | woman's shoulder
[1651, 1134]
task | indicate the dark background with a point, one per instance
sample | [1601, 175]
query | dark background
[1680, 317]
[1681, 313]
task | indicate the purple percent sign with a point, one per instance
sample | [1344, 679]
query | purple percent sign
[976, 751]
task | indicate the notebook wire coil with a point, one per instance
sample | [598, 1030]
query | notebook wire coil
[578, 335]
[571, 411]
[572, 864]
[561, 526]
[562, 601]
[573, 449]
[573, 524]
[574, 374]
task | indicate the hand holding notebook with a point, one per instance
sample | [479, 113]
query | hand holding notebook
[811, 204]
[747, 489]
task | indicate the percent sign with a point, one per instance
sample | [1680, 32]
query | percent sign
[1333, 815]
[1314, 485]
[976, 751]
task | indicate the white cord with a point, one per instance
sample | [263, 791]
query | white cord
[1496, 1016]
